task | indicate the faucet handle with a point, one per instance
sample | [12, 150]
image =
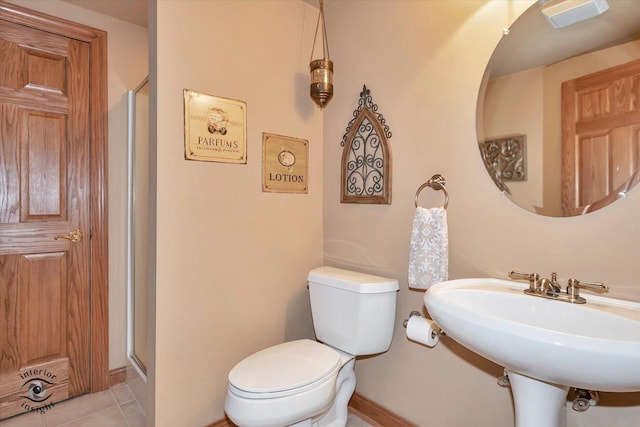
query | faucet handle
[574, 286]
[533, 278]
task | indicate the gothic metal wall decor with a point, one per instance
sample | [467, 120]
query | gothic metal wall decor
[366, 156]
[505, 158]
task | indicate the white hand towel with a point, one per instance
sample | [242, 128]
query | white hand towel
[429, 252]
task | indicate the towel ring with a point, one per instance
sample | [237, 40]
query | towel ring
[437, 182]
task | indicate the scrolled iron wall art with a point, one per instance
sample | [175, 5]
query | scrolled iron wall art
[366, 155]
[505, 159]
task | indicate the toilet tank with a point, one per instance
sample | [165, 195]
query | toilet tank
[353, 312]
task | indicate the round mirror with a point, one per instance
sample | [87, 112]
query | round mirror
[558, 114]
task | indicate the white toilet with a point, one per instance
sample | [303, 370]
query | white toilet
[307, 383]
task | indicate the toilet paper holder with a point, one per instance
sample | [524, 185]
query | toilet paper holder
[436, 329]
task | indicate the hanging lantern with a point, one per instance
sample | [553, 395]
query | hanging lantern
[321, 89]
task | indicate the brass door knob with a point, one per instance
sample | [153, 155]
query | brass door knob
[74, 236]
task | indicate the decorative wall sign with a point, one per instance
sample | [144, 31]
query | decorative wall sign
[366, 156]
[214, 128]
[284, 164]
[505, 158]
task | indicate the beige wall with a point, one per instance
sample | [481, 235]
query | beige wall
[128, 64]
[423, 61]
[232, 261]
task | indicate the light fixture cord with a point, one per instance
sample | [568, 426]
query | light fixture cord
[325, 43]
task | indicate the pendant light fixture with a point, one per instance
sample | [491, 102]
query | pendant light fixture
[321, 89]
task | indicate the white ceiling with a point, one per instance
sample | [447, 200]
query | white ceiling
[132, 11]
[532, 42]
[520, 53]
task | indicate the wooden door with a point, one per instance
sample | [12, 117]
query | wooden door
[45, 217]
[600, 137]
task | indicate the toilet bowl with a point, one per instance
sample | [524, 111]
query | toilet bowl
[308, 383]
[288, 383]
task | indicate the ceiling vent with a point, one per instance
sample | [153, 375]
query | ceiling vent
[568, 12]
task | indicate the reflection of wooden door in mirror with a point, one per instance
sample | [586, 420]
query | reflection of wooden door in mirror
[600, 137]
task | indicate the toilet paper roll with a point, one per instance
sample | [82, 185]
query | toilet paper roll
[422, 330]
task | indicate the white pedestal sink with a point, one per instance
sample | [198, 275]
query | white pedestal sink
[546, 346]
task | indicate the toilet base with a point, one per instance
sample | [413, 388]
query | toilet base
[339, 410]
[332, 410]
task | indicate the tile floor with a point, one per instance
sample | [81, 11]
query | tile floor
[120, 406]
[354, 421]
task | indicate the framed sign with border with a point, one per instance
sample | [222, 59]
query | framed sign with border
[284, 164]
[215, 128]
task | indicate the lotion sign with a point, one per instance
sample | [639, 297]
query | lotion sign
[284, 164]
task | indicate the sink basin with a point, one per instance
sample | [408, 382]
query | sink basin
[544, 344]
[595, 346]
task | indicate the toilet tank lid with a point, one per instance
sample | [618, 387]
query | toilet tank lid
[352, 280]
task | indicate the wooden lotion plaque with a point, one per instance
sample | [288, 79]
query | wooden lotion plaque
[284, 164]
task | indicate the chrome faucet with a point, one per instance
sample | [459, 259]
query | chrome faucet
[533, 278]
[574, 286]
[551, 288]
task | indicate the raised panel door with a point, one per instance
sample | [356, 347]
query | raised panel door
[44, 195]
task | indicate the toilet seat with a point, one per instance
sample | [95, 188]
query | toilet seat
[284, 369]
